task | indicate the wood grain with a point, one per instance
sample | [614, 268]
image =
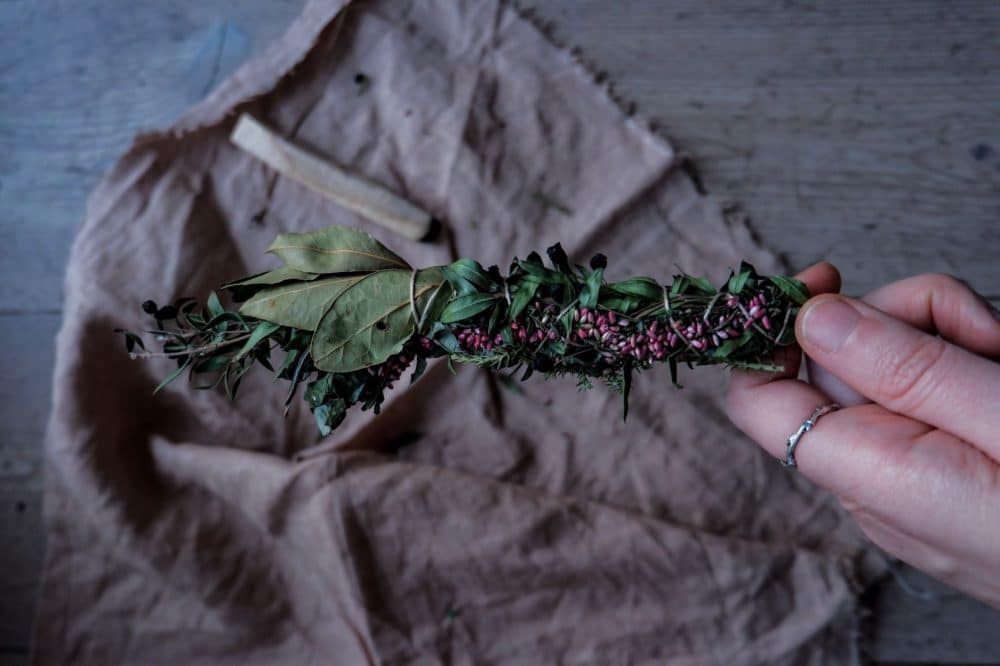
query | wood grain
[860, 132]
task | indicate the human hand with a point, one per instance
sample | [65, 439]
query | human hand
[919, 465]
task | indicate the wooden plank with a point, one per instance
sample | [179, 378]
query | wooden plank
[851, 131]
[949, 627]
[79, 80]
[26, 354]
[99, 72]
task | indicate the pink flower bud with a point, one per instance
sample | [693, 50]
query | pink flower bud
[581, 333]
[766, 322]
[602, 320]
[715, 340]
[584, 312]
[552, 334]
[626, 349]
[754, 310]
[611, 317]
[698, 344]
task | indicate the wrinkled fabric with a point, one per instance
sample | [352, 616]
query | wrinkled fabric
[469, 523]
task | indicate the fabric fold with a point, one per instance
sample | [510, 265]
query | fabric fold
[468, 523]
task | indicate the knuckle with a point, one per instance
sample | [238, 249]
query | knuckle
[912, 372]
[944, 282]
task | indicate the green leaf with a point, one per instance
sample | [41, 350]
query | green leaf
[702, 284]
[622, 304]
[448, 341]
[316, 392]
[524, 291]
[261, 332]
[643, 287]
[330, 415]
[131, 340]
[214, 306]
[287, 363]
[679, 284]
[732, 344]
[542, 273]
[467, 277]
[791, 287]
[172, 376]
[335, 249]
[495, 317]
[466, 307]
[591, 289]
[419, 369]
[737, 282]
[210, 364]
[371, 320]
[299, 304]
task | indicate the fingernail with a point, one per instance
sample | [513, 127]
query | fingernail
[828, 324]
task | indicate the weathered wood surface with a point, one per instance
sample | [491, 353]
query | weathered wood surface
[861, 132]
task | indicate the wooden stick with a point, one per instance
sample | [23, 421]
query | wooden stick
[370, 200]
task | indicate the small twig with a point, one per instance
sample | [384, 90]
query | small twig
[201, 351]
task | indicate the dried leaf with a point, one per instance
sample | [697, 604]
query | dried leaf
[371, 319]
[299, 304]
[335, 249]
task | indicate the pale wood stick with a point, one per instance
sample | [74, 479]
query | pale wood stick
[368, 199]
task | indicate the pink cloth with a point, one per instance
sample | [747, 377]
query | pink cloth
[468, 523]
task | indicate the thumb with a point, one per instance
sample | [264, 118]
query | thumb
[902, 368]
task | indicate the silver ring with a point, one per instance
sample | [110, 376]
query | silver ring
[806, 426]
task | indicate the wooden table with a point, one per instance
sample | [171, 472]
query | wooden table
[858, 131]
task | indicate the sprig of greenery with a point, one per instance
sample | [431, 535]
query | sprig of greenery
[349, 316]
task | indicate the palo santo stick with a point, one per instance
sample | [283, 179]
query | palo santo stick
[368, 199]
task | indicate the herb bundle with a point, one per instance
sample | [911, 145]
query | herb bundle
[348, 317]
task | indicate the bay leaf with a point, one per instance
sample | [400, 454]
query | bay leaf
[334, 249]
[372, 319]
[298, 304]
[277, 276]
[242, 289]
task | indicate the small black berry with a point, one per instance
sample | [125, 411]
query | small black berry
[166, 312]
[149, 307]
[598, 261]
